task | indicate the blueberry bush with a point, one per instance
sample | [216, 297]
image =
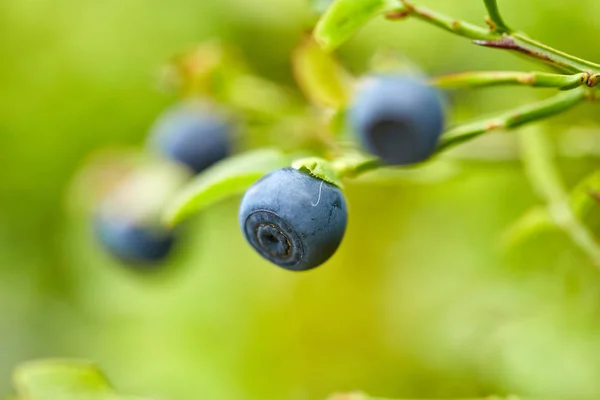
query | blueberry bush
[295, 158]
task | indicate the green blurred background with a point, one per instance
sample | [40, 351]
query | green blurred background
[418, 302]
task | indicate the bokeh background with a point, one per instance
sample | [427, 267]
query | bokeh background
[418, 302]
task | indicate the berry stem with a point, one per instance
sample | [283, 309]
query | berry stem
[494, 78]
[538, 159]
[513, 118]
[499, 37]
[353, 164]
[497, 23]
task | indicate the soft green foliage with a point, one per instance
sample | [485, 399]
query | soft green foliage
[228, 177]
[533, 222]
[564, 212]
[64, 380]
[418, 303]
[322, 79]
[61, 379]
[344, 17]
[585, 199]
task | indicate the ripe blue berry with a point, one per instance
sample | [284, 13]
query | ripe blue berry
[294, 220]
[398, 119]
[192, 134]
[127, 218]
[131, 242]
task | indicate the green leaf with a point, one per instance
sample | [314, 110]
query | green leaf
[534, 221]
[585, 197]
[319, 168]
[584, 200]
[321, 78]
[344, 17]
[230, 176]
[61, 379]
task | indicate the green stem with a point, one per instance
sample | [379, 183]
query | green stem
[352, 165]
[493, 78]
[495, 17]
[538, 159]
[453, 25]
[495, 39]
[513, 118]
[525, 45]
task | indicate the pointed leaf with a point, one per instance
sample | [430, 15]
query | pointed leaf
[319, 168]
[344, 17]
[230, 176]
[321, 78]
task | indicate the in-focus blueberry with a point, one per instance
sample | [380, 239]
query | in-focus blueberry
[131, 242]
[293, 219]
[398, 118]
[193, 134]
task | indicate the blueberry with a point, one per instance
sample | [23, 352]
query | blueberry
[127, 219]
[131, 242]
[192, 134]
[292, 219]
[398, 119]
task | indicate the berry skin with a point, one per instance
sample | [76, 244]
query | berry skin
[126, 221]
[398, 119]
[133, 243]
[193, 135]
[294, 220]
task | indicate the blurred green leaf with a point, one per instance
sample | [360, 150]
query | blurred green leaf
[61, 379]
[534, 221]
[344, 17]
[348, 396]
[319, 168]
[564, 210]
[320, 6]
[321, 78]
[230, 176]
[239, 92]
[583, 201]
[585, 197]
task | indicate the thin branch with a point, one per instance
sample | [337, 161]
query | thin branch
[495, 39]
[513, 118]
[494, 78]
[495, 17]
[522, 44]
[453, 25]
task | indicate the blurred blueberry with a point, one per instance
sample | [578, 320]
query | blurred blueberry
[194, 135]
[132, 242]
[398, 118]
[293, 219]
